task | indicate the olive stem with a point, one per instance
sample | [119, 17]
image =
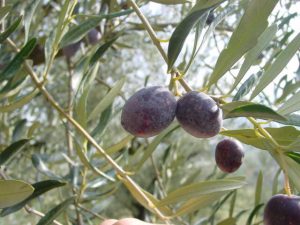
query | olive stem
[278, 149]
[38, 213]
[149, 29]
[156, 41]
[287, 186]
[158, 177]
[92, 213]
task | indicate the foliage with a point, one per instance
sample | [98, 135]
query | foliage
[62, 146]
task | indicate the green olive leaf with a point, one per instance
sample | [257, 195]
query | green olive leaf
[13, 192]
[185, 26]
[245, 36]
[250, 109]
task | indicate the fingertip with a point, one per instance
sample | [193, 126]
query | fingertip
[130, 221]
[109, 222]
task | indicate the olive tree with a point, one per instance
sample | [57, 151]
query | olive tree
[70, 75]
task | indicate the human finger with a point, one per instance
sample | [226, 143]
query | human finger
[131, 221]
[109, 222]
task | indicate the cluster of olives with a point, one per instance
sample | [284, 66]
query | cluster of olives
[152, 109]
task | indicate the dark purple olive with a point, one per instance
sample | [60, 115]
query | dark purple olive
[70, 50]
[282, 210]
[210, 18]
[199, 115]
[93, 36]
[228, 155]
[148, 111]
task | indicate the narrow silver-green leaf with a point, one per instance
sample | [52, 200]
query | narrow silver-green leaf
[198, 30]
[258, 189]
[118, 146]
[19, 130]
[103, 121]
[53, 40]
[232, 203]
[280, 62]
[86, 162]
[200, 202]
[80, 108]
[10, 29]
[293, 169]
[170, 2]
[202, 188]
[253, 213]
[220, 203]
[10, 70]
[76, 33]
[289, 88]
[13, 192]
[295, 145]
[55, 212]
[12, 150]
[283, 135]
[39, 189]
[275, 182]
[152, 146]
[247, 86]
[292, 119]
[31, 8]
[14, 84]
[19, 103]
[291, 105]
[41, 167]
[294, 155]
[64, 14]
[184, 27]
[4, 10]
[107, 100]
[252, 24]
[101, 50]
[208, 34]
[228, 221]
[251, 56]
[139, 198]
[250, 109]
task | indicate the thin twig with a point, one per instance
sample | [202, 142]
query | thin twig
[38, 213]
[91, 212]
[100, 81]
[156, 42]
[149, 29]
[158, 177]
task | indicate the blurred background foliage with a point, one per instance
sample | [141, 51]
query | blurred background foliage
[128, 61]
